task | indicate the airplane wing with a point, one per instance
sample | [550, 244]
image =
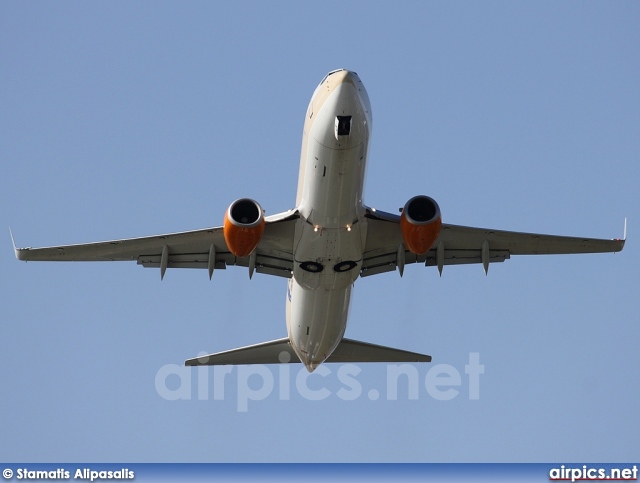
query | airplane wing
[462, 244]
[205, 248]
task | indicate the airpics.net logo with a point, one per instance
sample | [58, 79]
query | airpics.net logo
[258, 382]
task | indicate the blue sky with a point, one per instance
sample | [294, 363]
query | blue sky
[123, 119]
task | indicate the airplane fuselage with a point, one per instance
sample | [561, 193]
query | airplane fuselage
[326, 242]
[331, 232]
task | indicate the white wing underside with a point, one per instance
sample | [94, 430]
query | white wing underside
[463, 244]
[192, 249]
[189, 249]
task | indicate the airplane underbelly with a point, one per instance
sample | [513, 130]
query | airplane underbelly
[328, 258]
[331, 231]
[335, 178]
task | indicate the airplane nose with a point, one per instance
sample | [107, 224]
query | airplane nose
[340, 76]
[345, 76]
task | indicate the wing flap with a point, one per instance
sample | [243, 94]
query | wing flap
[264, 264]
[387, 262]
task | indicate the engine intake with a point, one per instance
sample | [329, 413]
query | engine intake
[420, 224]
[243, 226]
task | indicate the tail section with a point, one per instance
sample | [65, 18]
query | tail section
[280, 351]
[272, 352]
[355, 351]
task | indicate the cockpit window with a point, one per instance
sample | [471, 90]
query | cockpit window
[329, 74]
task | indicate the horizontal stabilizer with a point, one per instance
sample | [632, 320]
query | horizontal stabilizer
[355, 351]
[280, 351]
[272, 352]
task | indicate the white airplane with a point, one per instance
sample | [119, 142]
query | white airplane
[329, 239]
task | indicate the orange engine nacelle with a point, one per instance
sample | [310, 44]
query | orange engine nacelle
[420, 224]
[243, 226]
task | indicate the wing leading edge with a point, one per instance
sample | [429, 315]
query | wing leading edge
[462, 244]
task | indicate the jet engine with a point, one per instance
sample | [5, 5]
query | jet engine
[420, 224]
[243, 226]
